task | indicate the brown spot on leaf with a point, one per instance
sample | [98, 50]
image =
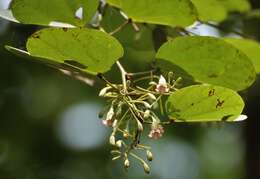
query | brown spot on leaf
[65, 29]
[219, 103]
[211, 92]
[36, 35]
[213, 75]
[225, 118]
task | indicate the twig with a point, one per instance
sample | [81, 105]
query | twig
[123, 74]
[119, 28]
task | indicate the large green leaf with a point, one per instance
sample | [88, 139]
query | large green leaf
[210, 10]
[54, 12]
[89, 50]
[166, 12]
[204, 103]
[209, 60]
[250, 47]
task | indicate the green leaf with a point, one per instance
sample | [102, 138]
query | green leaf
[89, 50]
[210, 10]
[65, 13]
[236, 5]
[205, 103]
[250, 47]
[166, 12]
[116, 3]
[209, 60]
[64, 68]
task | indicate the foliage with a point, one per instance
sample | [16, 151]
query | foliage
[90, 40]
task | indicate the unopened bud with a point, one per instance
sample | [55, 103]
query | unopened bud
[149, 155]
[112, 140]
[146, 168]
[139, 126]
[152, 83]
[104, 91]
[127, 163]
[114, 123]
[147, 105]
[119, 143]
[146, 114]
[151, 96]
[115, 158]
[125, 135]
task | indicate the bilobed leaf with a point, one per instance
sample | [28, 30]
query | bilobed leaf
[209, 60]
[166, 12]
[210, 10]
[91, 51]
[204, 103]
[250, 47]
[64, 13]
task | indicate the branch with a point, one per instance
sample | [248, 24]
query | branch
[123, 74]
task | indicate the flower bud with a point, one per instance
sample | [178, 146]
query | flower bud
[147, 105]
[151, 96]
[146, 168]
[112, 140]
[104, 91]
[127, 163]
[139, 126]
[114, 123]
[115, 158]
[146, 114]
[125, 135]
[119, 143]
[149, 155]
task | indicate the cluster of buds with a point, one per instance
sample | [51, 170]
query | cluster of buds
[131, 109]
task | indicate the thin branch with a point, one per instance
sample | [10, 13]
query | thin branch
[123, 74]
[119, 28]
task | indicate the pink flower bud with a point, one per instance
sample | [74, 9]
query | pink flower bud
[162, 86]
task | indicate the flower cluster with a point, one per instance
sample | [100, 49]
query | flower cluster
[132, 108]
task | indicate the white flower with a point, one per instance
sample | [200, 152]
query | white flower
[162, 86]
[109, 118]
[156, 130]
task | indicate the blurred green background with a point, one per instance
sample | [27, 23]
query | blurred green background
[49, 127]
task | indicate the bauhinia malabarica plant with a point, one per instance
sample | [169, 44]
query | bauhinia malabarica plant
[190, 78]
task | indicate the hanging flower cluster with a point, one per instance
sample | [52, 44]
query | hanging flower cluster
[132, 109]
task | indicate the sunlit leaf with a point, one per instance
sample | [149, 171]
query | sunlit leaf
[166, 12]
[116, 3]
[64, 68]
[209, 60]
[61, 13]
[91, 51]
[205, 103]
[250, 48]
[236, 5]
[210, 10]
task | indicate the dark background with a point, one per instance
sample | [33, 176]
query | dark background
[49, 126]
